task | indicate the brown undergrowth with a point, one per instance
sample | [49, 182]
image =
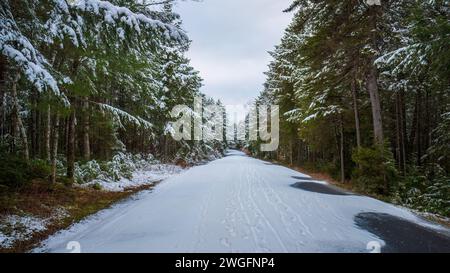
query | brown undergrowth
[41, 199]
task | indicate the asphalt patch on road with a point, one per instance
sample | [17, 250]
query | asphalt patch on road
[319, 188]
[403, 236]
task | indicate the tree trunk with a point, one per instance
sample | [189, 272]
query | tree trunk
[427, 122]
[372, 87]
[413, 133]
[71, 130]
[342, 150]
[55, 146]
[86, 142]
[398, 152]
[38, 134]
[372, 78]
[419, 128]
[34, 124]
[18, 124]
[66, 134]
[166, 146]
[2, 110]
[291, 151]
[403, 129]
[48, 133]
[2, 96]
[356, 111]
[400, 132]
[71, 145]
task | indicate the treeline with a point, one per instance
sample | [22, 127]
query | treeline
[86, 79]
[365, 92]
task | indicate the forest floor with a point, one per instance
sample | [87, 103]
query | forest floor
[242, 204]
[37, 211]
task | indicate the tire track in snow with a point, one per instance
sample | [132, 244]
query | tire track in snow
[204, 212]
[231, 217]
[324, 221]
[289, 217]
[244, 212]
[287, 207]
[249, 173]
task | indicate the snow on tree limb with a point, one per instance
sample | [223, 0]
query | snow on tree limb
[19, 50]
[119, 115]
[62, 24]
[113, 14]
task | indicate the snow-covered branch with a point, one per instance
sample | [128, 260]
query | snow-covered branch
[120, 115]
[19, 50]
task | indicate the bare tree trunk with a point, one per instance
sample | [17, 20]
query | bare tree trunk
[372, 87]
[15, 131]
[412, 133]
[342, 150]
[48, 133]
[66, 133]
[71, 146]
[18, 126]
[428, 122]
[2, 96]
[166, 146]
[398, 149]
[71, 131]
[372, 80]
[38, 133]
[34, 123]
[55, 146]
[403, 128]
[291, 152]
[2, 110]
[23, 133]
[86, 142]
[356, 110]
[143, 142]
[419, 128]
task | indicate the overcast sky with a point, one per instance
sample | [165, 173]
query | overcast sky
[230, 40]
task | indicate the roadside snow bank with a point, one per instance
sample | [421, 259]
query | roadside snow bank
[145, 176]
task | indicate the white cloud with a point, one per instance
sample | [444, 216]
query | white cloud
[222, 70]
[230, 40]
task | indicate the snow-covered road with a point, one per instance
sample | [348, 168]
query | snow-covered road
[237, 204]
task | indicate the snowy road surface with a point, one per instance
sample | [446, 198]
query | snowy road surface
[241, 204]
